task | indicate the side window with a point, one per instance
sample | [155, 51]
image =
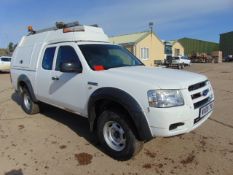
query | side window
[47, 62]
[66, 54]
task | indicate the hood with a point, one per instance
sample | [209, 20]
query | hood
[162, 78]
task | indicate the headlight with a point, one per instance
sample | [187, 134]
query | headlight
[211, 97]
[165, 98]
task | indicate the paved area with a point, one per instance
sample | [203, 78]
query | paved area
[59, 143]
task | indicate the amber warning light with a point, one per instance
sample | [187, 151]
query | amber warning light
[30, 29]
[67, 30]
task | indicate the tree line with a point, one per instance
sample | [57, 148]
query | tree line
[9, 50]
[11, 47]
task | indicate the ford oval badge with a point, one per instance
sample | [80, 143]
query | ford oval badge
[205, 92]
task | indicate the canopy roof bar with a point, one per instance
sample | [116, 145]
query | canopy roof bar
[58, 25]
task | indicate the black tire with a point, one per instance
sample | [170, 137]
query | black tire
[132, 145]
[27, 104]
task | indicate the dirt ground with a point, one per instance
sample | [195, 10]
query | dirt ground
[59, 143]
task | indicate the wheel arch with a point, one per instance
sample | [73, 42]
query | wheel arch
[123, 100]
[24, 81]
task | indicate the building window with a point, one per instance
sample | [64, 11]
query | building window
[177, 52]
[168, 49]
[144, 53]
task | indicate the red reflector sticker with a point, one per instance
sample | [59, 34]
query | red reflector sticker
[98, 67]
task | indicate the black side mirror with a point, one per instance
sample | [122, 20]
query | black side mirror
[71, 67]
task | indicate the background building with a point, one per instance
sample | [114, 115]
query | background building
[177, 48]
[144, 45]
[173, 48]
[226, 43]
[192, 46]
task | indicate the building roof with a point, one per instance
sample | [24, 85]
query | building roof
[129, 38]
[192, 39]
[198, 46]
[171, 42]
[231, 32]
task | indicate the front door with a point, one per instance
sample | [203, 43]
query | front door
[68, 90]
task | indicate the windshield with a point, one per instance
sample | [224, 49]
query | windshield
[108, 56]
[186, 58]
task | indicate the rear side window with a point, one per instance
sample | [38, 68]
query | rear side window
[66, 54]
[47, 62]
[6, 59]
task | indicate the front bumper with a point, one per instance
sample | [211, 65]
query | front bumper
[162, 120]
[164, 131]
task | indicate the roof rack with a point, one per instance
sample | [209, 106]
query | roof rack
[58, 25]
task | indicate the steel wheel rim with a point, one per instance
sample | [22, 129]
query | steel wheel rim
[114, 135]
[27, 101]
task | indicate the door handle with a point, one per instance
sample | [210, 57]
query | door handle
[55, 78]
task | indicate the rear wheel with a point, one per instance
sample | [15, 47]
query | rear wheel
[116, 135]
[27, 104]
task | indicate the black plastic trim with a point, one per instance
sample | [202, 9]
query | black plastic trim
[197, 85]
[201, 103]
[128, 103]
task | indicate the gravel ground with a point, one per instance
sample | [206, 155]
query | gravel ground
[56, 142]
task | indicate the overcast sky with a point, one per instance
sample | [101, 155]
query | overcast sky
[173, 19]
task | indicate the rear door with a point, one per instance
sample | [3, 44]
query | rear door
[44, 74]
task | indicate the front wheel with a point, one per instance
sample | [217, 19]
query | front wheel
[116, 135]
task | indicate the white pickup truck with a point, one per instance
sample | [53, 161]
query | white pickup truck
[75, 68]
[182, 60]
[177, 61]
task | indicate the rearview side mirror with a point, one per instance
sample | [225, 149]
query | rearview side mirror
[71, 67]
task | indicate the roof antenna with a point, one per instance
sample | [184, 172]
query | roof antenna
[151, 24]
